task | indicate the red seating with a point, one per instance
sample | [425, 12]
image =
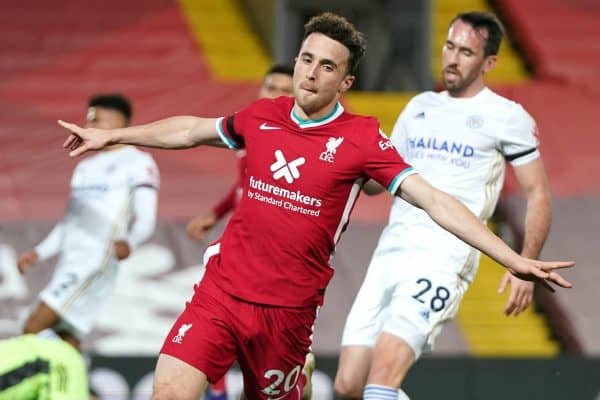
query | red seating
[561, 40]
[54, 55]
[560, 37]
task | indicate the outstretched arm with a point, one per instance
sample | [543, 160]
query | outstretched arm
[170, 133]
[453, 216]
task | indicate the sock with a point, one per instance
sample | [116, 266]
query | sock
[213, 395]
[217, 391]
[402, 395]
[379, 392]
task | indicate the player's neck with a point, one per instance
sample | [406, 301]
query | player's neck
[470, 91]
[316, 115]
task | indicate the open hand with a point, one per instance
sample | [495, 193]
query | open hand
[542, 271]
[84, 139]
[521, 294]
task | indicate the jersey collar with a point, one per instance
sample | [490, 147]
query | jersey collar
[481, 93]
[311, 123]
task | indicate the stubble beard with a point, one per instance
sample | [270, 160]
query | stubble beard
[460, 84]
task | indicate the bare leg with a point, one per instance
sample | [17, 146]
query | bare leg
[353, 370]
[392, 358]
[177, 380]
[42, 318]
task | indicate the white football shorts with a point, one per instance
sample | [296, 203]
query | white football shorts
[76, 293]
[407, 295]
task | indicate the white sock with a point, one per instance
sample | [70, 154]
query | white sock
[378, 392]
[402, 395]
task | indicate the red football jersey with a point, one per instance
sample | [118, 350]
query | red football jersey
[302, 180]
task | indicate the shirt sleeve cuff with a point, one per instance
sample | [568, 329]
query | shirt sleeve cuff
[224, 137]
[398, 179]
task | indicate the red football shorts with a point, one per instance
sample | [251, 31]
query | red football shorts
[269, 343]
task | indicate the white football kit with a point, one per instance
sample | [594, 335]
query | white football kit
[110, 192]
[419, 272]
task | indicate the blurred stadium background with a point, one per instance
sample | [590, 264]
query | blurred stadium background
[208, 57]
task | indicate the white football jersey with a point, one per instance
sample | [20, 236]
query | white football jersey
[99, 210]
[105, 195]
[460, 146]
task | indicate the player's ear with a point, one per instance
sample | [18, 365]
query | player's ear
[347, 83]
[489, 63]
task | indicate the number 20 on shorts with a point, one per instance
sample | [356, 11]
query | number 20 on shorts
[288, 381]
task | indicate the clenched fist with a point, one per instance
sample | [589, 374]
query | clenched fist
[26, 260]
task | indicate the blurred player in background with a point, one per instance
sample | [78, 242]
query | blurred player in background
[111, 211]
[277, 82]
[41, 367]
[266, 277]
[458, 140]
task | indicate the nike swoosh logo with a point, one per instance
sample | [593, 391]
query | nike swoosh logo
[265, 127]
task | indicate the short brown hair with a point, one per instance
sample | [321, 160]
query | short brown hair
[488, 21]
[112, 101]
[340, 29]
[280, 69]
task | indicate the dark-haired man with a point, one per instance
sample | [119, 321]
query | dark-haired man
[108, 190]
[266, 277]
[459, 140]
[276, 82]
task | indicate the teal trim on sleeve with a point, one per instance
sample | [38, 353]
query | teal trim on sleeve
[395, 184]
[226, 139]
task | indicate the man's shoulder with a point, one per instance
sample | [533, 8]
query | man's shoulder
[358, 129]
[499, 103]
[428, 95]
[267, 104]
[421, 104]
[140, 156]
[265, 110]
[360, 122]
[427, 98]
[504, 110]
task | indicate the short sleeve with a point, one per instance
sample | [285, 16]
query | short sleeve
[145, 173]
[231, 128]
[519, 144]
[383, 163]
